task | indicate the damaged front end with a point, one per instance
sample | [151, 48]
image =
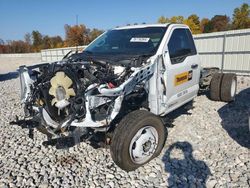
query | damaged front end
[72, 99]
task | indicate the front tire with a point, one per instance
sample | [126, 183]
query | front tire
[139, 137]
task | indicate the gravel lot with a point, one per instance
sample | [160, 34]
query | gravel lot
[208, 146]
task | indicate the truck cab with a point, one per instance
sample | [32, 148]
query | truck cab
[179, 69]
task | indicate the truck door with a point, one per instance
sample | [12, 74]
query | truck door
[182, 68]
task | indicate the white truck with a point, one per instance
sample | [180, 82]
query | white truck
[122, 84]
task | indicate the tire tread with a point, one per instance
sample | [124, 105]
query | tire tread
[226, 83]
[215, 87]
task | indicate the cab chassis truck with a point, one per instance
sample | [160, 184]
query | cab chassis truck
[122, 84]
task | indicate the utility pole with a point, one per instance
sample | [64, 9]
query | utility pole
[77, 26]
[77, 19]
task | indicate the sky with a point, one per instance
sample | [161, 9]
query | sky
[18, 17]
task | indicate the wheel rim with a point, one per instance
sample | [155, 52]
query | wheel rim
[143, 145]
[233, 88]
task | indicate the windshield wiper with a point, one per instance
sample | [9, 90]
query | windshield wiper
[64, 57]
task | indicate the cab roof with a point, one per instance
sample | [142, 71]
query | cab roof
[146, 25]
[141, 26]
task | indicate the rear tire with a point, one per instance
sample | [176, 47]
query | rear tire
[228, 87]
[139, 137]
[215, 87]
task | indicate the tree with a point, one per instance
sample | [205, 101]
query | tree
[2, 46]
[19, 47]
[204, 25]
[193, 22]
[1, 42]
[76, 35]
[193, 27]
[177, 19]
[52, 42]
[241, 17]
[27, 38]
[220, 23]
[94, 33]
[162, 20]
[195, 19]
[32, 43]
[37, 40]
[56, 42]
[174, 19]
[46, 43]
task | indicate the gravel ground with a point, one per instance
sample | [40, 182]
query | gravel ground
[208, 146]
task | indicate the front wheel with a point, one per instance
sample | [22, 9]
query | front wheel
[139, 137]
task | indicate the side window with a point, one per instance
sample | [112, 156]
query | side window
[181, 45]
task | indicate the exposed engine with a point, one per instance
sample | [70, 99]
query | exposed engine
[60, 87]
[61, 96]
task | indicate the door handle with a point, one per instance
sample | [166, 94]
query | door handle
[194, 66]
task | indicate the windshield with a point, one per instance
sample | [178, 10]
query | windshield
[137, 41]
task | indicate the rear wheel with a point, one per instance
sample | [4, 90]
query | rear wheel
[228, 87]
[215, 87]
[139, 137]
[223, 87]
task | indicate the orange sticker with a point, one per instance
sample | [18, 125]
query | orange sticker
[181, 78]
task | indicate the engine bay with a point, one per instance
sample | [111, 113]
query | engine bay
[60, 87]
